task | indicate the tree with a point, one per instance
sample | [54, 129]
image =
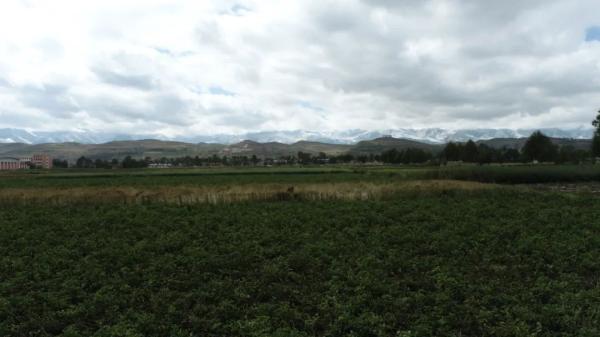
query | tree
[596, 139]
[60, 163]
[99, 163]
[390, 156]
[596, 145]
[596, 122]
[129, 162]
[509, 155]
[539, 147]
[84, 162]
[487, 154]
[345, 158]
[304, 158]
[406, 156]
[451, 152]
[569, 154]
[470, 152]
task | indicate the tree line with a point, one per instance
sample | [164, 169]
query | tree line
[537, 148]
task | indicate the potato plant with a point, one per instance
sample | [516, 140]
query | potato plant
[496, 262]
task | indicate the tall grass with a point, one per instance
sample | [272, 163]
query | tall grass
[229, 193]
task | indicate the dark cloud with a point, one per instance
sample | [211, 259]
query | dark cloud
[142, 82]
[337, 19]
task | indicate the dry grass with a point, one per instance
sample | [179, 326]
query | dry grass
[231, 193]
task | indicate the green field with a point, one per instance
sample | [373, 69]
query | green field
[429, 257]
[520, 174]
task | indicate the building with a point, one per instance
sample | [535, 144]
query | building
[13, 164]
[159, 165]
[37, 161]
[41, 161]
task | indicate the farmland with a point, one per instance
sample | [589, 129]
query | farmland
[515, 174]
[338, 251]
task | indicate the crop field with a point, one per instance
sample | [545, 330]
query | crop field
[519, 174]
[343, 251]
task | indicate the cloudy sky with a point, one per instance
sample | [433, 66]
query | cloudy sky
[177, 67]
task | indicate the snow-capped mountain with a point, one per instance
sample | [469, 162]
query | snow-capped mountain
[432, 135]
[83, 137]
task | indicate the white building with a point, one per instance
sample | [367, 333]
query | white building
[13, 164]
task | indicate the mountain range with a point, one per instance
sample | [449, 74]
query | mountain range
[350, 137]
[160, 148]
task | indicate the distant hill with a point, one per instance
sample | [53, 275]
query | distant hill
[160, 148]
[249, 148]
[120, 149]
[275, 149]
[387, 143]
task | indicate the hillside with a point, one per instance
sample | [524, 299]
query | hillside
[118, 149]
[159, 148]
[275, 149]
[387, 143]
[316, 147]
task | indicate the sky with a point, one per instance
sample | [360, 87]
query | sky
[204, 67]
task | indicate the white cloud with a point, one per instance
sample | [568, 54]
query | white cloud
[181, 67]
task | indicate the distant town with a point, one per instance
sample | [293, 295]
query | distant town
[41, 161]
